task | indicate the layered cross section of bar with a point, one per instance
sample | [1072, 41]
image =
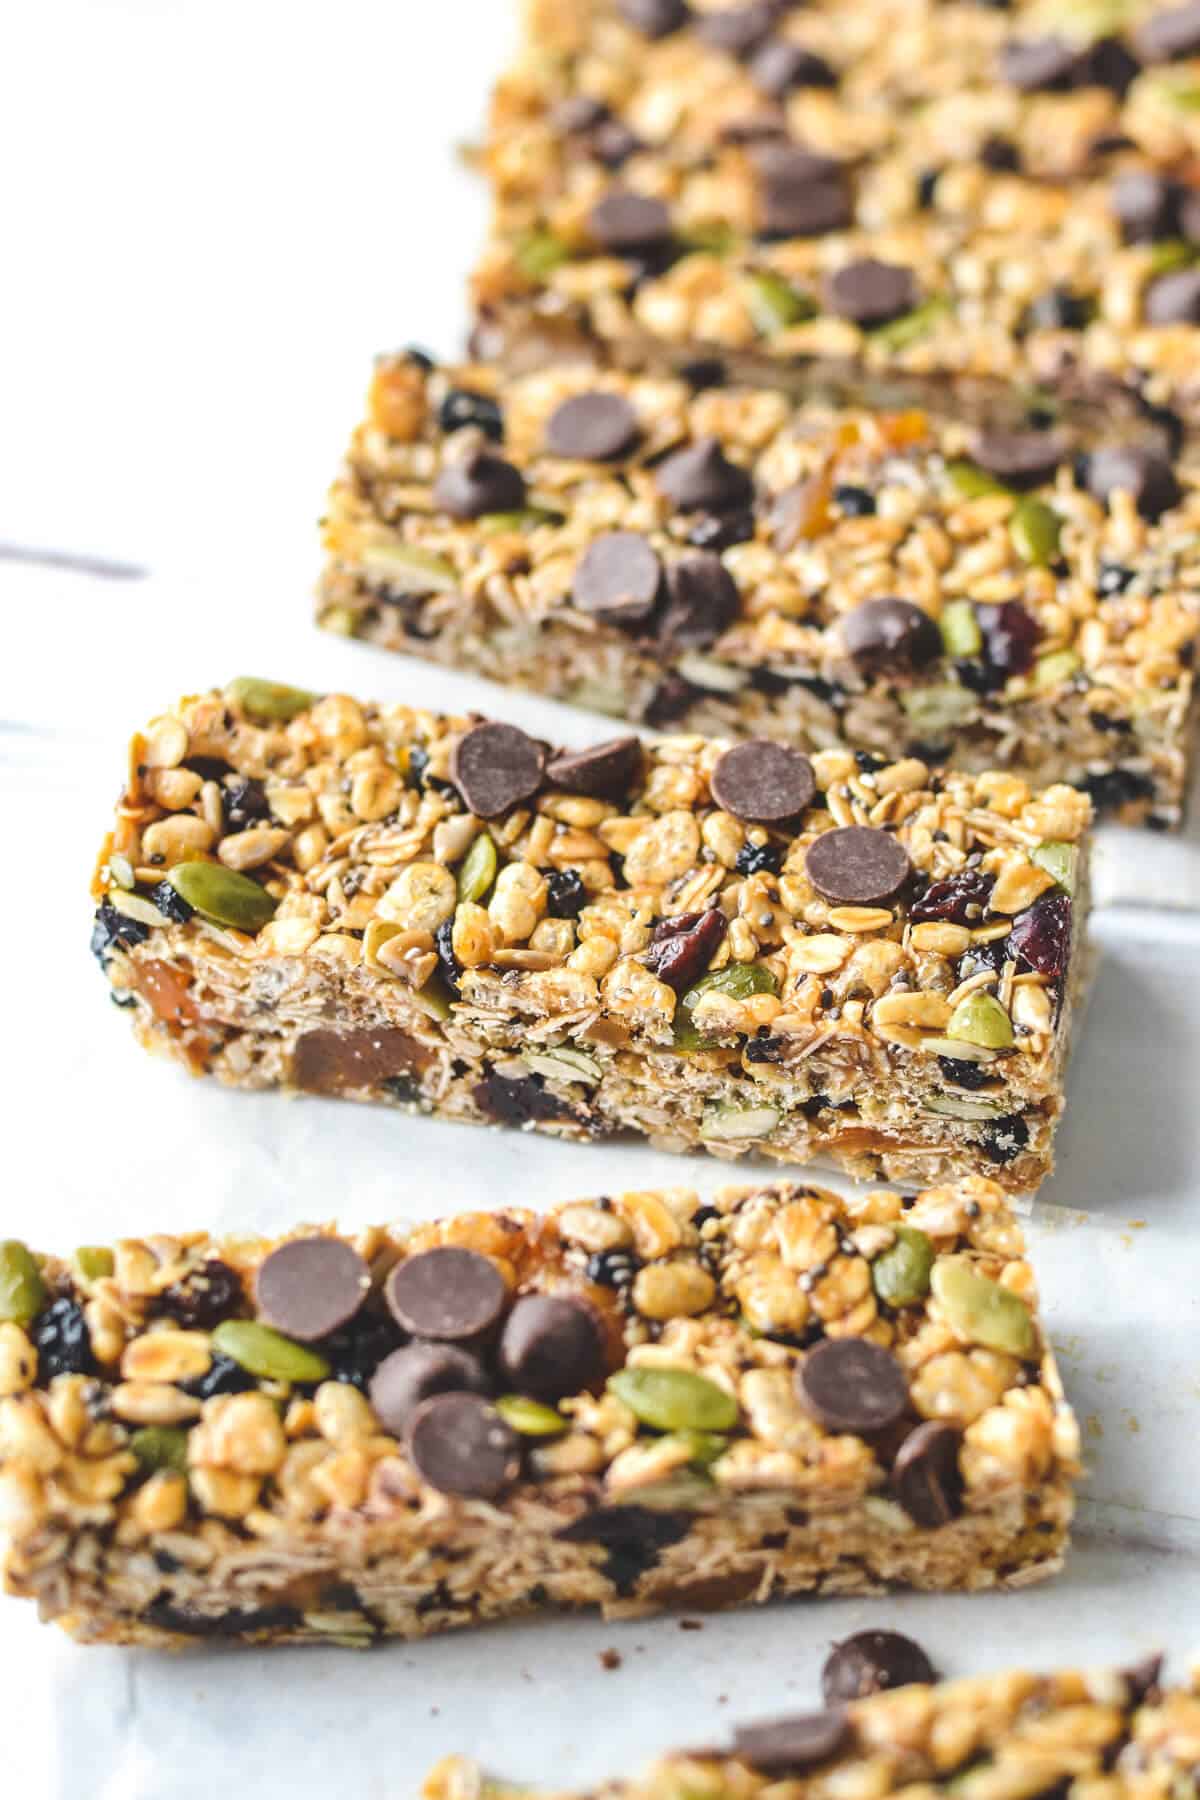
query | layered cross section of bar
[640, 1401]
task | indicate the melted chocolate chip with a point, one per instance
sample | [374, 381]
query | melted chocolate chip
[633, 1537]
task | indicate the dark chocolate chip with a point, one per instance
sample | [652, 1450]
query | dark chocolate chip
[870, 1662]
[763, 783]
[858, 865]
[1173, 299]
[628, 221]
[653, 18]
[483, 483]
[1146, 205]
[792, 1746]
[449, 1294]
[780, 66]
[702, 479]
[870, 292]
[1020, 459]
[926, 1479]
[605, 771]
[1108, 64]
[1172, 33]
[1143, 473]
[414, 1374]
[594, 427]
[552, 1346]
[702, 602]
[738, 30]
[612, 143]
[495, 767]
[633, 1538]
[618, 578]
[577, 114]
[852, 1385]
[1039, 64]
[312, 1286]
[681, 948]
[462, 406]
[331, 1062]
[234, 1622]
[792, 209]
[670, 702]
[461, 1445]
[889, 636]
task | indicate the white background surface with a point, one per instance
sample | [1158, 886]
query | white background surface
[214, 213]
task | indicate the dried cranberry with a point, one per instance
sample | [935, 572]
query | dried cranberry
[171, 904]
[60, 1337]
[204, 1297]
[752, 859]
[612, 1268]
[959, 900]
[224, 1377]
[566, 895]
[448, 963]
[1010, 637]
[965, 1074]
[356, 1351]
[682, 948]
[1041, 937]
[1003, 1139]
[244, 801]
[112, 928]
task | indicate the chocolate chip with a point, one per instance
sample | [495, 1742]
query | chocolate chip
[1038, 64]
[577, 114]
[1108, 64]
[702, 602]
[802, 194]
[1000, 154]
[312, 1286]
[618, 578]
[870, 292]
[1145, 474]
[1146, 205]
[625, 220]
[738, 30]
[871, 1662]
[889, 636]
[461, 1445]
[1020, 459]
[780, 66]
[495, 767]
[763, 783]
[331, 1062]
[791, 1746]
[702, 479]
[633, 1538]
[653, 18]
[612, 143]
[1173, 299]
[681, 948]
[592, 428]
[858, 865]
[926, 1479]
[852, 1385]
[1189, 215]
[483, 483]
[605, 771]
[1169, 34]
[551, 1346]
[449, 1294]
[414, 1374]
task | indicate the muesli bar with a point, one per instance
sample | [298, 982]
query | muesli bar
[722, 562]
[1118, 1733]
[910, 190]
[734, 948]
[638, 1401]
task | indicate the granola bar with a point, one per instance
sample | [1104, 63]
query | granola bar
[719, 561]
[729, 948]
[635, 1402]
[910, 190]
[1116, 1733]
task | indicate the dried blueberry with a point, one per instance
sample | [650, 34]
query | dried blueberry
[566, 895]
[612, 1268]
[927, 187]
[223, 1377]
[60, 1337]
[171, 903]
[521, 1102]
[1113, 578]
[1114, 788]
[418, 762]
[855, 502]
[991, 956]
[462, 407]
[681, 948]
[868, 764]
[960, 900]
[1010, 637]
[752, 859]
[448, 963]
[1058, 309]
[244, 802]
[965, 1074]
[112, 928]
[356, 1351]
[1041, 937]
[204, 1297]
[720, 531]
[1003, 1139]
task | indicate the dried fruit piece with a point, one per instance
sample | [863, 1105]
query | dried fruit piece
[681, 947]
[1041, 937]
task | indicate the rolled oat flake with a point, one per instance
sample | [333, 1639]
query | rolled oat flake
[311, 1287]
[448, 1294]
[852, 1385]
[594, 427]
[495, 767]
[461, 1445]
[763, 783]
[857, 865]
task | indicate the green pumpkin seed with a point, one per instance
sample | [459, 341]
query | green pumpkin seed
[981, 1311]
[527, 519]
[268, 702]
[529, 1418]
[714, 239]
[1182, 96]
[972, 482]
[223, 896]
[565, 1065]
[1058, 859]
[1170, 255]
[739, 980]
[160, 1447]
[539, 253]
[911, 327]
[1051, 671]
[407, 569]
[703, 1447]
[478, 869]
[738, 1124]
[94, 1263]
[266, 1353]
[938, 708]
[774, 304]
[1035, 529]
[959, 626]
[980, 1019]
[900, 1275]
[674, 1399]
[22, 1290]
[343, 621]
[685, 1491]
